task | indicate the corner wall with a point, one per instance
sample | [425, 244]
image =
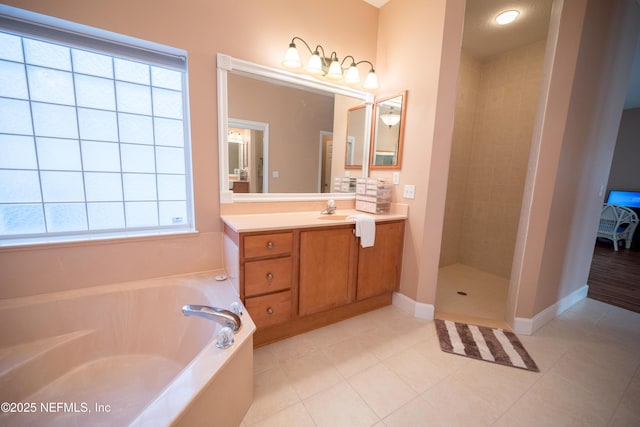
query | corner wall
[419, 51]
[572, 149]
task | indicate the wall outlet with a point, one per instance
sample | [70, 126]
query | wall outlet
[409, 192]
[396, 177]
[275, 174]
[347, 174]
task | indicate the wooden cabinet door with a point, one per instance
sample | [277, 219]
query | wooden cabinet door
[379, 265]
[327, 260]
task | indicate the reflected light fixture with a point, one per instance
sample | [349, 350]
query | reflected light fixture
[507, 17]
[329, 67]
[390, 119]
[235, 137]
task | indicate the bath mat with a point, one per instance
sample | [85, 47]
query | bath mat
[492, 345]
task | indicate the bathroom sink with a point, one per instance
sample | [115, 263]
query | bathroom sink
[334, 217]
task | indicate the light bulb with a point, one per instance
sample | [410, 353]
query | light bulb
[507, 17]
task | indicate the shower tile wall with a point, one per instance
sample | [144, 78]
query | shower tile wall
[467, 94]
[489, 157]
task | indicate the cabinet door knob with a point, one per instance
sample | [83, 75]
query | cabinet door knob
[269, 276]
[269, 310]
[270, 245]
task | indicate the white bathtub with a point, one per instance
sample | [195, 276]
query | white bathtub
[124, 354]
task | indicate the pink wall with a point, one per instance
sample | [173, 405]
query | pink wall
[254, 30]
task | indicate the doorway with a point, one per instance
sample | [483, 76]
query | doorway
[326, 157]
[498, 86]
[249, 155]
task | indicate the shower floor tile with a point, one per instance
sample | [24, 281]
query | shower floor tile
[466, 294]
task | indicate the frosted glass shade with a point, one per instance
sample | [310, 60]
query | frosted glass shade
[314, 66]
[335, 71]
[371, 81]
[352, 76]
[292, 57]
[390, 119]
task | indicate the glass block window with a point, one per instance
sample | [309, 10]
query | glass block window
[94, 138]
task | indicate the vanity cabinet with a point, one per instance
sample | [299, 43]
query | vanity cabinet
[299, 279]
[266, 271]
[326, 269]
[380, 265]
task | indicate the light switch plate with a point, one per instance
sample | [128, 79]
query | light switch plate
[275, 174]
[409, 192]
[396, 177]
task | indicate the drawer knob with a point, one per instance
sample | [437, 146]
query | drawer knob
[269, 276]
[269, 310]
[270, 245]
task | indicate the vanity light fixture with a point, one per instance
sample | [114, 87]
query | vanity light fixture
[330, 66]
[507, 17]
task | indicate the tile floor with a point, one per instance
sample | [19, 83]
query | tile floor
[385, 368]
[485, 300]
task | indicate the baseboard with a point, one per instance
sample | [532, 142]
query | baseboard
[527, 326]
[414, 308]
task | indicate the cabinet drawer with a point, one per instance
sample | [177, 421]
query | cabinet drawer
[262, 245]
[269, 275]
[269, 310]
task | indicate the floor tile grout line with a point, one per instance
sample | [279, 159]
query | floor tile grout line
[626, 389]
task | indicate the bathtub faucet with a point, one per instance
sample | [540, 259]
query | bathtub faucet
[216, 314]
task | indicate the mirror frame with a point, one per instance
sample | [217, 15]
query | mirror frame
[226, 64]
[365, 147]
[375, 119]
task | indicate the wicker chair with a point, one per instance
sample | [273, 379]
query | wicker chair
[617, 223]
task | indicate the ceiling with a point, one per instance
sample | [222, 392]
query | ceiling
[483, 38]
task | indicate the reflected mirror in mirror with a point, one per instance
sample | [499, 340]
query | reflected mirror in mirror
[355, 144]
[388, 132]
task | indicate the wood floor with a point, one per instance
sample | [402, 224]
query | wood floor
[615, 276]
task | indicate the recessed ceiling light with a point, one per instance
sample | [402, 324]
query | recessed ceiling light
[507, 17]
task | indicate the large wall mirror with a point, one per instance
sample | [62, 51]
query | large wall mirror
[356, 144]
[279, 133]
[388, 132]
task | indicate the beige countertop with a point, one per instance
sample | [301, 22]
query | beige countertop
[252, 222]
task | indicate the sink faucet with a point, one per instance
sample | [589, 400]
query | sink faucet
[216, 314]
[331, 208]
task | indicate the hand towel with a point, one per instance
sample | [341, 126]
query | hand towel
[365, 229]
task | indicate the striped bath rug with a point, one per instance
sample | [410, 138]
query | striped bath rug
[492, 345]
